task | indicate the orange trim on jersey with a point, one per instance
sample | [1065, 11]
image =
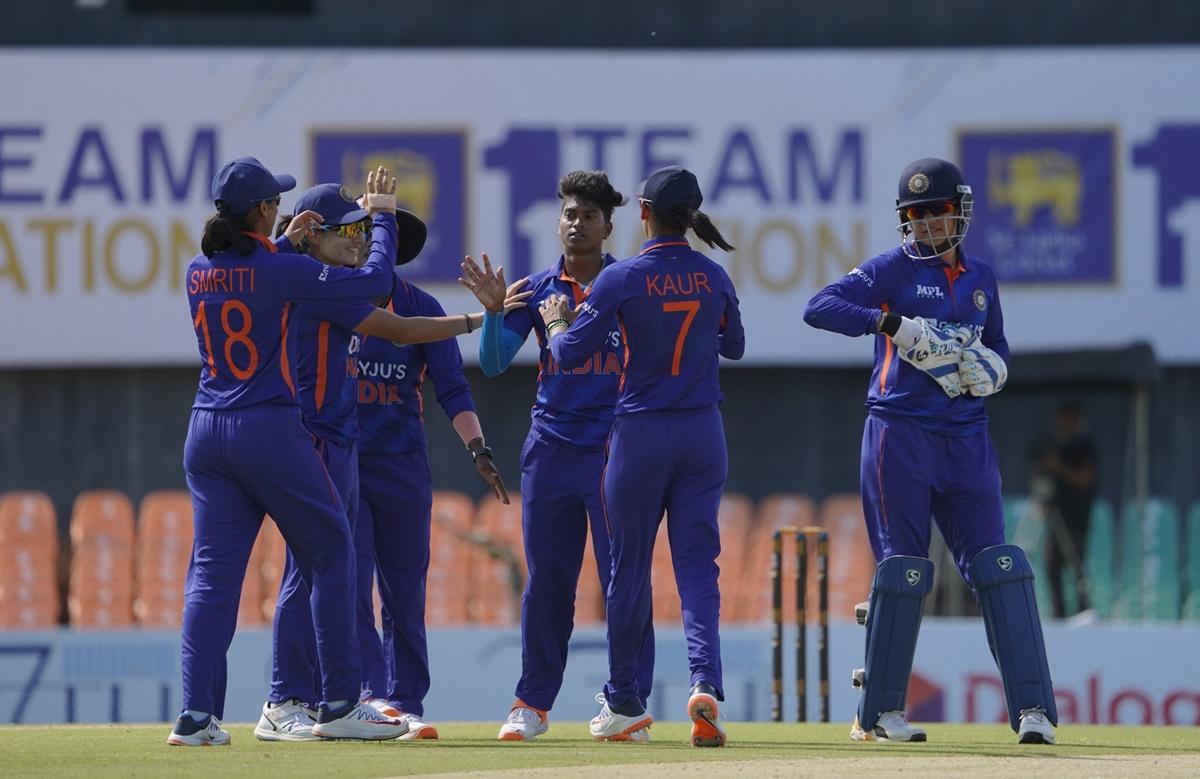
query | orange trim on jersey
[322, 368]
[266, 242]
[625, 365]
[887, 357]
[284, 367]
[576, 289]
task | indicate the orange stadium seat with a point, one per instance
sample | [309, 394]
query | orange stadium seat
[851, 561]
[589, 598]
[665, 595]
[27, 521]
[498, 570]
[164, 549]
[105, 513]
[29, 596]
[774, 512]
[448, 587]
[272, 561]
[734, 520]
[264, 572]
[101, 579]
[101, 591]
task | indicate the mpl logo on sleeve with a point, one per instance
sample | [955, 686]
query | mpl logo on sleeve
[430, 167]
[1044, 209]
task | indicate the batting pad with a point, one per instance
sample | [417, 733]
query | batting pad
[1003, 580]
[893, 621]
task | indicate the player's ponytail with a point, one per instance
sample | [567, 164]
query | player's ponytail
[284, 222]
[707, 231]
[225, 231]
[684, 216]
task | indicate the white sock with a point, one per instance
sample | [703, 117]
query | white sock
[335, 705]
[198, 716]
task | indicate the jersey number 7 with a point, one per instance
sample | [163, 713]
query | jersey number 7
[232, 336]
[690, 307]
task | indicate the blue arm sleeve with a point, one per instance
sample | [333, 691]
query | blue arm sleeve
[731, 342]
[596, 314]
[445, 363]
[852, 304]
[497, 345]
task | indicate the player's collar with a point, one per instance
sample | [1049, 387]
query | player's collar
[664, 240]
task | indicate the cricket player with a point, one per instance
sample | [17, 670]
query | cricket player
[677, 313]
[940, 351]
[248, 453]
[327, 386]
[563, 457]
[396, 494]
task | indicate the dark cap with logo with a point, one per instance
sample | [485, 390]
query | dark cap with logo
[337, 205]
[245, 182]
[669, 187]
[930, 180]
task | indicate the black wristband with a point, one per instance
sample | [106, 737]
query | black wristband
[889, 323]
[483, 451]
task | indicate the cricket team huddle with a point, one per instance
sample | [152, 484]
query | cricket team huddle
[626, 431]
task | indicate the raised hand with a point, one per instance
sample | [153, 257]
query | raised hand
[514, 298]
[381, 191]
[485, 284]
[300, 225]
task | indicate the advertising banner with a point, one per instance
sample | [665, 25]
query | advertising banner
[1103, 674]
[1083, 202]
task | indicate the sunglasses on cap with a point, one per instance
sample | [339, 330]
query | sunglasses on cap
[353, 230]
[943, 208]
[276, 199]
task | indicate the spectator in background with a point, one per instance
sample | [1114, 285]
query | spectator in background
[1070, 463]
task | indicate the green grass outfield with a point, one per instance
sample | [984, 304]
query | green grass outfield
[755, 749]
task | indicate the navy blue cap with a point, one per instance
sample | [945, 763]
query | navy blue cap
[336, 204]
[930, 180]
[245, 182]
[669, 187]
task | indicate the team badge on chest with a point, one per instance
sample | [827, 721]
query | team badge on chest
[980, 299]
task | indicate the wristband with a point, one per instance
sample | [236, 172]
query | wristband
[889, 323]
[470, 327]
[553, 323]
[381, 201]
[482, 451]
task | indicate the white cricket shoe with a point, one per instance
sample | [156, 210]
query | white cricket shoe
[608, 725]
[892, 726]
[361, 723]
[640, 736]
[1035, 727]
[205, 733]
[382, 706]
[524, 723]
[287, 721]
[418, 729]
[703, 711]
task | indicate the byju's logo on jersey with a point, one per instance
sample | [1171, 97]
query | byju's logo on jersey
[930, 292]
[431, 168]
[1044, 206]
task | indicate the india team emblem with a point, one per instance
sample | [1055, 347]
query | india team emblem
[1005, 563]
[913, 576]
[918, 183]
[346, 194]
[980, 299]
